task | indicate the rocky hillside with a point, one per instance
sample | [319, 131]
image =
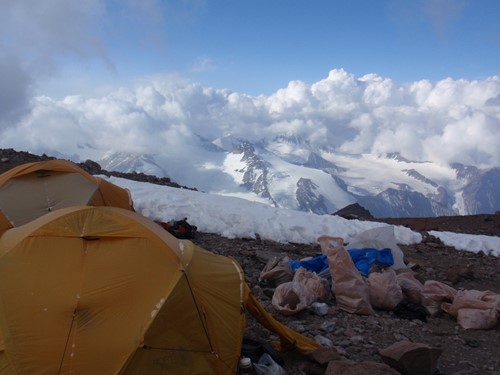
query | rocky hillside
[10, 158]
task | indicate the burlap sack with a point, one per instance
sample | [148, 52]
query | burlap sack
[474, 309]
[349, 287]
[277, 271]
[410, 286]
[477, 318]
[305, 288]
[384, 290]
[472, 299]
[434, 293]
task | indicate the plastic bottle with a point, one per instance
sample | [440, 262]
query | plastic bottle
[246, 367]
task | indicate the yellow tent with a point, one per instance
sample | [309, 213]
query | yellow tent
[104, 290]
[31, 190]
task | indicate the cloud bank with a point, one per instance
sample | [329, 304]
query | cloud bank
[451, 120]
[447, 121]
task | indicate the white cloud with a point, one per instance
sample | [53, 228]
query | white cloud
[378, 91]
[446, 121]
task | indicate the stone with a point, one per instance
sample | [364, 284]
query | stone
[356, 339]
[319, 308]
[328, 326]
[324, 355]
[411, 358]
[322, 340]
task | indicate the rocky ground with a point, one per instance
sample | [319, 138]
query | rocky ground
[359, 338]
[356, 337]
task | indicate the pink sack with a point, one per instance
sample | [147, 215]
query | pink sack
[477, 318]
[474, 309]
[471, 299]
[434, 293]
[410, 286]
[297, 295]
[317, 286]
[349, 287]
[385, 292]
[277, 271]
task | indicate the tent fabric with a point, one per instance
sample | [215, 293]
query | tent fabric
[4, 223]
[105, 290]
[31, 190]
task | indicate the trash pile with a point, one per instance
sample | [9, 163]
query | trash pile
[363, 277]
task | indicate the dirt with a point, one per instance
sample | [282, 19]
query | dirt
[357, 337]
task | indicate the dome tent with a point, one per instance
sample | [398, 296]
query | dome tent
[104, 290]
[31, 190]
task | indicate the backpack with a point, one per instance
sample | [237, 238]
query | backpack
[180, 228]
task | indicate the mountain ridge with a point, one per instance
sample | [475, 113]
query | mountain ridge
[258, 178]
[287, 172]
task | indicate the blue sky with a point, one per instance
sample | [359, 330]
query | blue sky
[257, 47]
[347, 73]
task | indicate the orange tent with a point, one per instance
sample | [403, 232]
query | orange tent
[104, 290]
[31, 190]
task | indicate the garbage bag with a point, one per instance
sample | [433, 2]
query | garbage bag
[471, 299]
[365, 258]
[296, 295]
[315, 264]
[349, 287]
[477, 318]
[267, 366]
[434, 293]
[277, 271]
[385, 292]
[410, 286]
[379, 238]
[474, 309]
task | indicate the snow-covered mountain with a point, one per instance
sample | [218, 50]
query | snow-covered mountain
[288, 172]
[128, 162]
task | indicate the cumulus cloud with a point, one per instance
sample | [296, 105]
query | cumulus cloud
[445, 121]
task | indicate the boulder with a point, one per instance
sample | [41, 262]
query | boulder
[411, 358]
